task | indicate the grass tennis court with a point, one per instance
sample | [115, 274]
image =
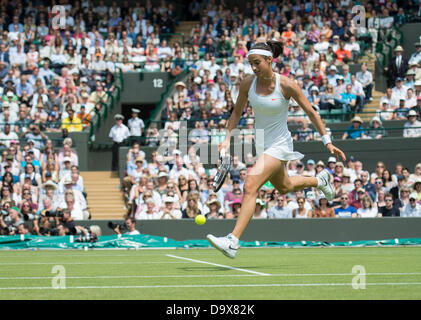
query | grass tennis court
[284, 273]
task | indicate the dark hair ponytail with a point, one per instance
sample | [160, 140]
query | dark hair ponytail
[276, 47]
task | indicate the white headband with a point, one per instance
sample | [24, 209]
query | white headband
[261, 52]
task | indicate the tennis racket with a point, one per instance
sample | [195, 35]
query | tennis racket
[223, 170]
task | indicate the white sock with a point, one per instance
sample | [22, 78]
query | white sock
[231, 236]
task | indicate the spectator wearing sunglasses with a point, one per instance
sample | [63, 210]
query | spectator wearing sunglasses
[345, 210]
[389, 210]
[412, 209]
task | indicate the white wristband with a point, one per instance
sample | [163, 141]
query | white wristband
[326, 139]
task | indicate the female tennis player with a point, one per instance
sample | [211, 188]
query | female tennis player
[269, 94]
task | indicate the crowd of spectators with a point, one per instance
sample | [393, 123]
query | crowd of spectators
[178, 186]
[320, 42]
[41, 189]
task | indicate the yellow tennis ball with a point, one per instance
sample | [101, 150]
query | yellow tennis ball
[200, 219]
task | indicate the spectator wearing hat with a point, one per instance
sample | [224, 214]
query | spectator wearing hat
[314, 97]
[410, 76]
[118, 133]
[398, 66]
[356, 130]
[168, 211]
[412, 128]
[310, 171]
[400, 91]
[413, 208]
[65, 168]
[66, 186]
[213, 209]
[11, 101]
[376, 129]
[260, 210]
[162, 183]
[332, 76]
[135, 124]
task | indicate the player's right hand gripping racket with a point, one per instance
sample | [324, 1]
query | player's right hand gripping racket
[223, 169]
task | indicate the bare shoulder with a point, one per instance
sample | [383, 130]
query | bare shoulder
[246, 83]
[288, 86]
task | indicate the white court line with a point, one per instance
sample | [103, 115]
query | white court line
[217, 286]
[219, 265]
[84, 263]
[211, 275]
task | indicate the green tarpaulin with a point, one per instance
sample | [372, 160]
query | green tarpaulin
[148, 241]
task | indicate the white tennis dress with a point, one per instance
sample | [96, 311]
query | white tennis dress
[271, 115]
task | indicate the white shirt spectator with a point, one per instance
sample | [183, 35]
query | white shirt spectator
[352, 46]
[408, 211]
[175, 173]
[357, 89]
[6, 138]
[175, 212]
[399, 93]
[412, 130]
[235, 68]
[363, 78]
[143, 215]
[279, 213]
[321, 47]
[393, 101]
[367, 213]
[119, 133]
[386, 22]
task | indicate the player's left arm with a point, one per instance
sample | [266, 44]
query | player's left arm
[291, 90]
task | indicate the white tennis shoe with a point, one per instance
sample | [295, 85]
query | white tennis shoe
[228, 245]
[324, 184]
